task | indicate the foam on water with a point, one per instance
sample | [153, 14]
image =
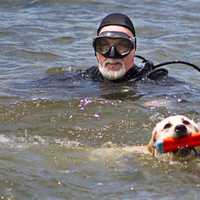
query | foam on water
[22, 143]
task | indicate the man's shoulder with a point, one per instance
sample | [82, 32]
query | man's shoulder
[91, 70]
[92, 73]
[158, 74]
[140, 73]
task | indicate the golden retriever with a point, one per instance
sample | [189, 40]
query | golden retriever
[177, 126]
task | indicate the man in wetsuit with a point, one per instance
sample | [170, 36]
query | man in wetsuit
[115, 47]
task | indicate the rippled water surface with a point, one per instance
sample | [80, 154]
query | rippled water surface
[54, 128]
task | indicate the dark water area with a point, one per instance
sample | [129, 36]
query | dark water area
[54, 128]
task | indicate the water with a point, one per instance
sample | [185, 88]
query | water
[54, 128]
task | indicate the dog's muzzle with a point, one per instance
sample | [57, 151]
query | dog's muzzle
[180, 131]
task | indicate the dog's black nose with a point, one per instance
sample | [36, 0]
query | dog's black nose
[180, 130]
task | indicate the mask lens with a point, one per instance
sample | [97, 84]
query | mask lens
[123, 46]
[103, 45]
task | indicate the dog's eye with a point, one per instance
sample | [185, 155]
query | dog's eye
[168, 125]
[186, 122]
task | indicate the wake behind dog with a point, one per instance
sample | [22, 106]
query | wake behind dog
[177, 126]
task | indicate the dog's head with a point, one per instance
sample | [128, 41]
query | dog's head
[177, 126]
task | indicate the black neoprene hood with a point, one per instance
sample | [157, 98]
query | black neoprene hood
[117, 19]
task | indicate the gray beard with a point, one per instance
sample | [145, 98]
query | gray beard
[110, 74]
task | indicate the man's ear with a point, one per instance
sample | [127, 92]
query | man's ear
[197, 127]
[150, 146]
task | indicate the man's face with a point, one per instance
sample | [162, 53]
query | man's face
[115, 68]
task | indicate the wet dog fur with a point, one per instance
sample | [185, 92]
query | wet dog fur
[177, 126]
[168, 128]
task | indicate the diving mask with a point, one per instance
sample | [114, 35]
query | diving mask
[113, 44]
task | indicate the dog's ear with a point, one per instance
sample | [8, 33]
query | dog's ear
[197, 127]
[150, 146]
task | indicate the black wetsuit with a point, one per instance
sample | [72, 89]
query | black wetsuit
[133, 74]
